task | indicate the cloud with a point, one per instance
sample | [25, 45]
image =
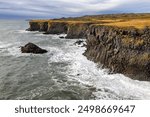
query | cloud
[66, 8]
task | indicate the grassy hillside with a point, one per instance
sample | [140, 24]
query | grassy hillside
[121, 20]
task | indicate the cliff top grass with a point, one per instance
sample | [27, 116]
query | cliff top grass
[136, 23]
[68, 21]
[120, 20]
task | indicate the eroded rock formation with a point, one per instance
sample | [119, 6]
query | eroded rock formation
[76, 31]
[122, 50]
[73, 30]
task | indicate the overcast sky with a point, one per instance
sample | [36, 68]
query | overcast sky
[67, 8]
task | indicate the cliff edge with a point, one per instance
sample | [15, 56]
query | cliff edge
[118, 42]
[122, 50]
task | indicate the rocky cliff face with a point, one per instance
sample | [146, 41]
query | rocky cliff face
[121, 50]
[57, 28]
[73, 30]
[49, 27]
[78, 30]
[38, 26]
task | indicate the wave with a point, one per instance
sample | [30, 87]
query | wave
[12, 49]
[78, 68]
[4, 45]
[24, 31]
[108, 86]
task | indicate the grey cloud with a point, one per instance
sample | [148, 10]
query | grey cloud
[60, 8]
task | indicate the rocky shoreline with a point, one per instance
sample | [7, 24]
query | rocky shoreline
[122, 50]
[73, 30]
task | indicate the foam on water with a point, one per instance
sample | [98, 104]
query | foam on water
[23, 31]
[12, 49]
[4, 45]
[114, 86]
[68, 59]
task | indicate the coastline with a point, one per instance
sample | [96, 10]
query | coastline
[122, 49]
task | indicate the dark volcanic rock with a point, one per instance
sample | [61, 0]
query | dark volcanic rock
[73, 30]
[38, 26]
[57, 28]
[43, 26]
[32, 48]
[121, 50]
[34, 26]
[77, 31]
[62, 37]
[79, 42]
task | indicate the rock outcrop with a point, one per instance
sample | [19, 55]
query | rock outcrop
[122, 50]
[73, 30]
[38, 26]
[32, 48]
[76, 31]
[57, 28]
[111, 41]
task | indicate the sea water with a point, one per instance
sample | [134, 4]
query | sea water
[63, 73]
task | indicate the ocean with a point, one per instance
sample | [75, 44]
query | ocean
[63, 73]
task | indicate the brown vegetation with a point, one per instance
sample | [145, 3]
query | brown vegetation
[120, 42]
[121, 20]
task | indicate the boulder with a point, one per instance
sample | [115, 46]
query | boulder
[32, 48]
[79, 42]
[62, 37]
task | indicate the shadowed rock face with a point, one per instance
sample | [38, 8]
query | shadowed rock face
[73, 30]
[43, 26]
[57, 28]
[38, 26]
[34, 26]
[32, 48]
[76, 31]
[121, 50]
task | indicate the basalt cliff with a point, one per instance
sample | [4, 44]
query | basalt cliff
[72, 29]
[120, 43]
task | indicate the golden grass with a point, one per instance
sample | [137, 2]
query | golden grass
[61, 21]
[137, 23]
[120, 20]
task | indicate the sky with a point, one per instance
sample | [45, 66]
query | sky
[69, 8]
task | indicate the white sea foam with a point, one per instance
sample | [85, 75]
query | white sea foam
[57, 36]
[24, 31]
[14, 51]
[11, 49]
[114, 86]
[4, 45]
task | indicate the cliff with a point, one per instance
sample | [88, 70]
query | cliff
[57, 27]
[38, 26]
[74, 30]
[118, 42]
[122, 50]
[77, 30]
